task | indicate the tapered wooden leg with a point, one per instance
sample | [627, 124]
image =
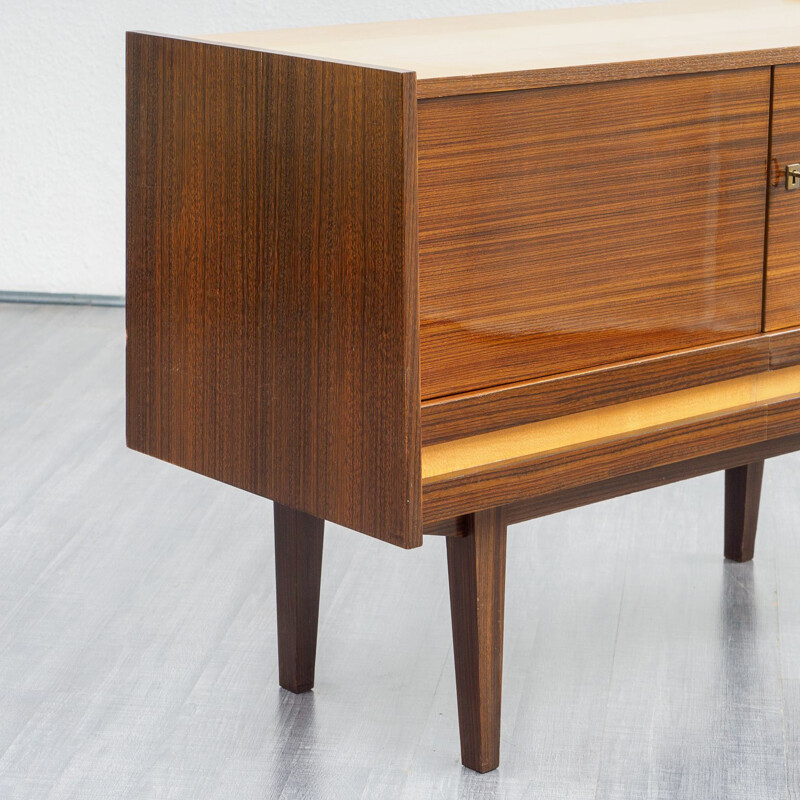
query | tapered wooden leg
[742, 497]
[477, 568]
[298, 569]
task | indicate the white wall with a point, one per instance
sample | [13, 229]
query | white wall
[62, 117]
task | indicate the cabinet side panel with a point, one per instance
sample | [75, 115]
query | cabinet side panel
[271, 278]
[782, 295]
[565, 228]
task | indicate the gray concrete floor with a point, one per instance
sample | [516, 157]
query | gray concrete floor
[137, 628]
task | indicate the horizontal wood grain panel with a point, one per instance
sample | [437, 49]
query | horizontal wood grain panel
[621, 419]
[782, 294]
[560, 470]
[271, 278]
[560, 229]
[471, 413]
[529, 49]
[581, 495]
[784, 348]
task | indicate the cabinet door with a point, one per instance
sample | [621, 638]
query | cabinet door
[782, 295]
[568, 227]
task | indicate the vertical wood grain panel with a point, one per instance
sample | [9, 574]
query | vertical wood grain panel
[568, 227]
[272, 286]
[782, 295]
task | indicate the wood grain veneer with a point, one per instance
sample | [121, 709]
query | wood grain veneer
[784, 350]
[782, 293]
[596, 491]
[501, 52]
[626, 419]
[507, 482]
[272, 282]
[564, 228]
[471, 413]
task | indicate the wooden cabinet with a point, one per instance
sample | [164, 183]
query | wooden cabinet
[519, 263]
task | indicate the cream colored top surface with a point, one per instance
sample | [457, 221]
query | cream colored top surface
[535, 40]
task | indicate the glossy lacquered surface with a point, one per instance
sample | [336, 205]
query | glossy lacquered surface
[271, 283]
[559, 395]
[782, 294]
[569, 227]
[620, 419]
[544, 473]
[591, 492]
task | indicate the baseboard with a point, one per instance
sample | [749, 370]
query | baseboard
[63, 299]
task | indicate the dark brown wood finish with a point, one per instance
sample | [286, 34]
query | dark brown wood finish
[510, 481]
[586, 494]
[472, 413]
[784, 349]
[782, 294]
[565, 228]
[428, 88]
[298, 571]
[477, 569]
[272, 277]
[742, 499]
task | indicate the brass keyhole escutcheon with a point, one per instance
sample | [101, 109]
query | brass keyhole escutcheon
[792, 177]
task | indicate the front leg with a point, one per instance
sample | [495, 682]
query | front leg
[477, 568]
[298, 570]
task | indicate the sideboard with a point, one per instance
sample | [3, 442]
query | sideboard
[442, 276]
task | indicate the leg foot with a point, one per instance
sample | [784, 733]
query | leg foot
[298, 569]
[742, 497]
[477, 569]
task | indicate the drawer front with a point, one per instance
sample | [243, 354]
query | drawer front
[569, 227]
[782, 295]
